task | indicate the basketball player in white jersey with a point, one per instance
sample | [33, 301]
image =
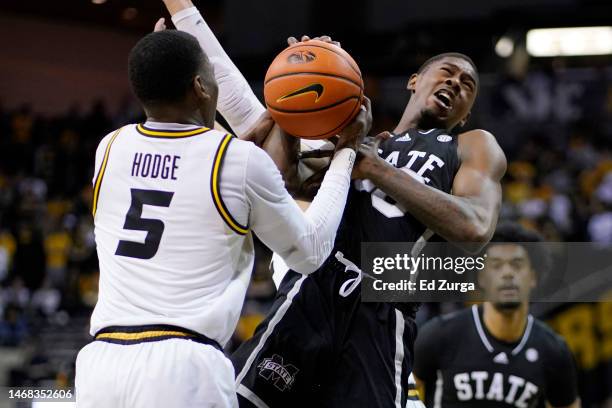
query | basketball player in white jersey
[174, 206]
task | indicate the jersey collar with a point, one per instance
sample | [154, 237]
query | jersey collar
[485, 340]
[169, 130]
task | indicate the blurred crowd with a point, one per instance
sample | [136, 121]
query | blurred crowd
[559, 181]
[556, 129]
[47, 250]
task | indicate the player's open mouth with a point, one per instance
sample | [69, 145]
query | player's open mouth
[444, 99]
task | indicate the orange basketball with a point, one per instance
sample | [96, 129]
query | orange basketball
[313, 89]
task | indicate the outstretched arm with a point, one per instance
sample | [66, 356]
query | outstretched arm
[237, 102]
[469, 215]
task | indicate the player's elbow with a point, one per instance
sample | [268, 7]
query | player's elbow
[313, 258]
[474, 239]
[480, 235]
[308, 265]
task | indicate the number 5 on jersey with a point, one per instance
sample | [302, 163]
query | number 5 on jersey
[135, 222]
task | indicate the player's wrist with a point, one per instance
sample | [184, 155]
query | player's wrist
[176, 6]
[347, 144]
[374, 168]
[343, 160]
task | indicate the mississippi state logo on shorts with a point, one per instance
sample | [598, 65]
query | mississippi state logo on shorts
[282, 376]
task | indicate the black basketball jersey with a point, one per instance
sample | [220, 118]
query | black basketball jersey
[463, 365]
[372, 216]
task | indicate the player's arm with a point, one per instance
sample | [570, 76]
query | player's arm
[561, 378]
[303, 239]
[469, 215]
[237, 102]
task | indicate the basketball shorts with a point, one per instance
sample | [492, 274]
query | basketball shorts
[153, 369]
[321, 346]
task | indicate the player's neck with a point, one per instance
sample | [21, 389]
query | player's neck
[169, 114]
[505, 325]
[409, 120]
[413, 118]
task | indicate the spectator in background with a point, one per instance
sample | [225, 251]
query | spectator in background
[7, 250]
[600, 224]
[46, 300]
[29, 262]
[16, 294]
[58, 243]
[13, 327]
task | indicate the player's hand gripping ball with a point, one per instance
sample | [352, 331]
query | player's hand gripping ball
[313, 89]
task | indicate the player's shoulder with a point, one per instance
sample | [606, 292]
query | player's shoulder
[547, 339]
[117, 131]
[246, 155]
[551, 344]
[220, 136]
[479, 134]
[104, 142]
[479, 145]
[440, 334]
[478, 139]
[449, 322]
[458, 318]
[245, 148]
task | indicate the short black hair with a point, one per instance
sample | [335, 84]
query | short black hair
[512, 232]
[459, 55]
[162, 66]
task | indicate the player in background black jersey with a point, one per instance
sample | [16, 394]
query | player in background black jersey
[497, 355]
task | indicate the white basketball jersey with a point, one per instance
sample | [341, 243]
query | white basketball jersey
[169, 251]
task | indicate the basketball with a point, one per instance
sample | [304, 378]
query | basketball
[313, 89]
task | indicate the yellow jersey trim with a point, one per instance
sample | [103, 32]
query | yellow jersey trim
[214, 184]
[128, 335]
[100, 175]
[140, 336]
[170, 133]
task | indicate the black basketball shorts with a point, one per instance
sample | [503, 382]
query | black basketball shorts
[321, 346]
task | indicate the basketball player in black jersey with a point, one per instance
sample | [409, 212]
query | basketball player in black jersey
[320, 345]
[497, 355]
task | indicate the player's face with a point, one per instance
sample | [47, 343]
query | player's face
[445, 92]
[507, 278]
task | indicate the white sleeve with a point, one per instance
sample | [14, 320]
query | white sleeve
[303, 239]
[237, 102]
